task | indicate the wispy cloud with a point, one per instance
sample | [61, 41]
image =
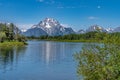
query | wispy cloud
[50, 2]
[66, 7]
[60, 4]
[60, 7]
[40, 0]
[65, 25]
[93, 18]
[71, 7]
[25, 26]
[47, 1]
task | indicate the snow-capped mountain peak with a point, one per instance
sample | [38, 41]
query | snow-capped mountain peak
[48, 26]
[49, 23]
[50, 20]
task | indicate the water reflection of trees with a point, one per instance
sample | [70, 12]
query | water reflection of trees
[10, 55]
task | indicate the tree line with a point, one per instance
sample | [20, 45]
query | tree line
[95, 36]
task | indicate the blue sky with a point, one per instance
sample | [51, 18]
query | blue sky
[78, 14]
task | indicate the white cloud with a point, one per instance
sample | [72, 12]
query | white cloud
[92, 18]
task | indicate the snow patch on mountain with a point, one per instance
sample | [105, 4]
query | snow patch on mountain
[110, 30]
[95, 28]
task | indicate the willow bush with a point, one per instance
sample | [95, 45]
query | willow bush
[100, 61]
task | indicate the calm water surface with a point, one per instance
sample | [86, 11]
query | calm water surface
[40, 60]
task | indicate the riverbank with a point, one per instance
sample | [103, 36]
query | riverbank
[12, 43]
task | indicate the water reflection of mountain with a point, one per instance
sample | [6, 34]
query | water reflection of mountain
[10, 56]
[58, 51]
[52, 52]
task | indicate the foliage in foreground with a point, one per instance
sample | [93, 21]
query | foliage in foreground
[100, 61]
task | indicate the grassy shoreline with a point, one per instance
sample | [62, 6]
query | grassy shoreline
[12, 44]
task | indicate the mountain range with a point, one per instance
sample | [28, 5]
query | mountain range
[52, 27]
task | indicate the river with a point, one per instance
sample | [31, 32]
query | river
[39, 60]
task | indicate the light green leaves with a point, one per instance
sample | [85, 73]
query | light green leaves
[100, 61]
